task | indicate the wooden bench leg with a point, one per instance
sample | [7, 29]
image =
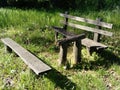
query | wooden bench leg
[56, 37]
[63, 54]
[90, 50]
[77, 51]
[8, 49]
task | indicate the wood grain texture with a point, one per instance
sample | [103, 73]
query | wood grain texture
[103, 24]
[90, 29]
[71, 39]
[77, 51]
[63, 54]
[96, 35]
[90, 43]
[32, 61]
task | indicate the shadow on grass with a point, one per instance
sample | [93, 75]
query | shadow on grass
[61, 80]
[106, 60]
[56, 77]
[110, 58]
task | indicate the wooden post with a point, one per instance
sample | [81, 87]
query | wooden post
[8, 49]
[77, 51]
[76, 48]
[96, 35]
[56, 37]
[89, 51]
[63, 54]
[64, 27]
[66, 22]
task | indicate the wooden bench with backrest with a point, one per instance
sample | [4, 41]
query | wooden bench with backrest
[68, 37]
[91, 44]
[32, 61]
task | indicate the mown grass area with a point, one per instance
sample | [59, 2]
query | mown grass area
[32, 29]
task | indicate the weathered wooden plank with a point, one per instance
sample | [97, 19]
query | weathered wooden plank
[77, 51]
[71, 39]
[63, 32]
[32, 61]
[103, 24]
[66, 21]
[96, 35]
[90, 43]
[63, 54]
[90, 29]
[56, 37]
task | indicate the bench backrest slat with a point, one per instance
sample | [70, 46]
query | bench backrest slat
[100, 31]
[95, 22]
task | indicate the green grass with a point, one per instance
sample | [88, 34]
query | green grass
[32, 30]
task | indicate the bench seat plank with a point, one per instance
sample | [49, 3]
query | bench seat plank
[32, 61]
[90, 43]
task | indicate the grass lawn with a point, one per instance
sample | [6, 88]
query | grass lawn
[32, 30]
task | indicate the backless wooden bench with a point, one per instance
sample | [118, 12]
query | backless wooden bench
[32, 61]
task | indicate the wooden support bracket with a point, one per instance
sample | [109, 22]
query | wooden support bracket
[76, 48]
[63, 54]
[8, 49]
